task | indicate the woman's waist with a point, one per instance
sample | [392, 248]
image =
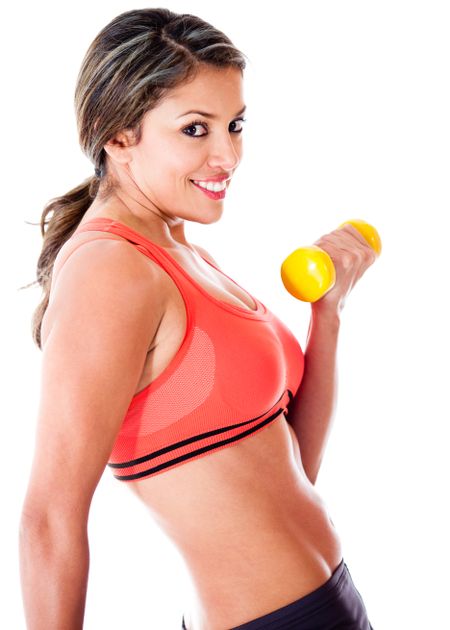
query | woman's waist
[290, 539]
[246, 578]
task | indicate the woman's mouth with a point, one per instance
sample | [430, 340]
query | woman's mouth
[210, 193]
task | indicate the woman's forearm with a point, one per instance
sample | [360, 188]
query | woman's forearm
[54, 567]
[312, 409]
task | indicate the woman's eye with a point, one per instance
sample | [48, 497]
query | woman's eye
[193, 125]
[238, 120]
[198, 123]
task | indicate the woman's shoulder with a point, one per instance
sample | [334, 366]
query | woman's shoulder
[92, 246]
[105, 267]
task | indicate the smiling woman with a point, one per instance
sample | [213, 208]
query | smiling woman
[186, 387]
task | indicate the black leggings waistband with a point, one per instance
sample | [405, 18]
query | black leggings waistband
[335, 604]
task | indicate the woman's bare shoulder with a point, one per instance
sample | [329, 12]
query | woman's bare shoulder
[101, 263]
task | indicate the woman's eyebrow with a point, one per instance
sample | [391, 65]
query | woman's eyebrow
[207, 115]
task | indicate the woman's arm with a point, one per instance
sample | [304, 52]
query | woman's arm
[54, 566]
[105, 310]
[312, 410]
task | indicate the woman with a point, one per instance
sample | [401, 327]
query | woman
[159, 365]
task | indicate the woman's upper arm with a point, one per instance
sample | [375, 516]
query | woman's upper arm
[106, 308]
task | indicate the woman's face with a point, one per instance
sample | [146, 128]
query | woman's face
[177, 146]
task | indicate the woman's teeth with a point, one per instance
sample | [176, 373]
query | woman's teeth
[213, 186]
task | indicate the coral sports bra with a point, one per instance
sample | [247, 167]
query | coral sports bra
[234, 373]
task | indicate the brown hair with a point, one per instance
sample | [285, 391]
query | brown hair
[128, 68]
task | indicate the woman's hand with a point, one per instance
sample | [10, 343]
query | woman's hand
[351, 255]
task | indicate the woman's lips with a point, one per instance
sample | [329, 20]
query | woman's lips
[210, 193]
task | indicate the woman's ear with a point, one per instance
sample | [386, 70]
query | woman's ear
[118, 148]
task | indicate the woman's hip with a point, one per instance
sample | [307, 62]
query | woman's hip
[335, 604]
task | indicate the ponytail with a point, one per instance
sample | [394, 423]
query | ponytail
[67, 212]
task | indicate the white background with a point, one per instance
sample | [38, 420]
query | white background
[348, 117]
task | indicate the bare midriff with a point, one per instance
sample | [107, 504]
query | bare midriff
[252, 529]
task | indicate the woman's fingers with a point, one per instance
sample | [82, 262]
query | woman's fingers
[351, 255]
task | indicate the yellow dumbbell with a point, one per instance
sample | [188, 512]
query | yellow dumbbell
[308, 273]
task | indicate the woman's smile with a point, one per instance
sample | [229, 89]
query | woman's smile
[220, 194]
